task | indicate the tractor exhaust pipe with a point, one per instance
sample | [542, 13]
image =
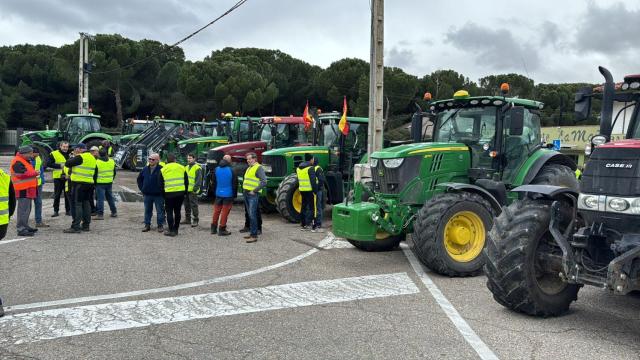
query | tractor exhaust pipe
[608, 95]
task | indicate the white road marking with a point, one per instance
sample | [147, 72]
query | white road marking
[328, 239]
[463, 327]
[58, 323]
[338, 244]
[4, 242]
[128, 189]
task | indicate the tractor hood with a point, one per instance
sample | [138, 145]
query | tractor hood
[243, 146]
[408, 150]
[288, 151]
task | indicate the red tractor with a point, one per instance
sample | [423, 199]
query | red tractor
[545, 247]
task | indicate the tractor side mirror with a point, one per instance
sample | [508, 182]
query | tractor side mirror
[416, 127]
[516, 124]
[582, 107]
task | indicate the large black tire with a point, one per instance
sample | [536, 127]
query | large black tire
[285, 198]
[558, 175]
[386, 244]
[514, 274]
[436, 249]
[266, 205]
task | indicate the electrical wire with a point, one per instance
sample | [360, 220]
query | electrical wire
[234, 7]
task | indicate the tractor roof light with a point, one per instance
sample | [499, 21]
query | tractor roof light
[631, 82]
[504, 88]
[474, 102]
[598, 140]
[461, 94]
[485, 101]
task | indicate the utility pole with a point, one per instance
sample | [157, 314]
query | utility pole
[83, 75]
[376, 73]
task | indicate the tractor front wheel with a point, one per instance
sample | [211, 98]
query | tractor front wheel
[450, 232]
[517, 273]
[383, 242]
[289, 199]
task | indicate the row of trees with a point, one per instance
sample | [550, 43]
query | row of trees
[140, 78]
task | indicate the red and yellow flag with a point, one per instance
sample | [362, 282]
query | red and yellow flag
[343, 125]
[308, 120]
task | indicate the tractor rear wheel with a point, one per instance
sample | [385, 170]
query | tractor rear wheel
[268, 203]
[289, 199]
[450, 232]
[515, 266]
[383, 242]
[558, 175]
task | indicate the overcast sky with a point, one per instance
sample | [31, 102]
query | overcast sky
[548, 40]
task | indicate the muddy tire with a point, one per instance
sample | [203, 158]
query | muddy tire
[287, 197]
[450, 233]
[387, 244]
[515, 276]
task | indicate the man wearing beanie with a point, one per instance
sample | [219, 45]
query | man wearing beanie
[25, 183]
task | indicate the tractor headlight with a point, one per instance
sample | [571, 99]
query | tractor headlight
[618, 204]
[375, 217]
[374, 162]
[267, 168]
[182, 146]
[392, 163]
[590, 201]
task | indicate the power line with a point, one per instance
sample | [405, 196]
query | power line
[234, 7]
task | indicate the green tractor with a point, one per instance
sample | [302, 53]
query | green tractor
[448, 191]
[336, 154]
[74, 128]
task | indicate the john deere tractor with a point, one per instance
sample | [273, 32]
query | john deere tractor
[544, 248]
[74, 128]
[447, 192]
[336, 153]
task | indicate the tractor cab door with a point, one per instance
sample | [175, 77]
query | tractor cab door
[517, 148]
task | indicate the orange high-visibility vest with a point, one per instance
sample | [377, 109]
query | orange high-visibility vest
[23, 183]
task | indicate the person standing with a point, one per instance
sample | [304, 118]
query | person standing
[56, 161]
[320, 198]
[7, 206]
[95, 152]
[308, 186]
[254, 180]
[194, 172]
[25, 184]
[104, 185]
[106, 145]
[225, 184]
[36, 161]
[149, 185]
[83, 177]
[174, 182]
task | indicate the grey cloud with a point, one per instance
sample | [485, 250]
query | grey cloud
[402, 58]
[551, 33]
[494, 49]
[610, 30]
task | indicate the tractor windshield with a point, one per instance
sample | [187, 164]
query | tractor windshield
[286, 134]
[466, 125]
[83, 124]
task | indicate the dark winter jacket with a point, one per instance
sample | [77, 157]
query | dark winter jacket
[149, 182]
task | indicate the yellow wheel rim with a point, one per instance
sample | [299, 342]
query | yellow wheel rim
[464, 236]
[297, 201]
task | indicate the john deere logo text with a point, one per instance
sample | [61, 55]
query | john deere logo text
[618, 165]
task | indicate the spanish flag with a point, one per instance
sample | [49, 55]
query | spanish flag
[308, 120]
[343, 125]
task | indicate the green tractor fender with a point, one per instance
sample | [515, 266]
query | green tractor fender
[95, 136]
[537, 161]
[493, 191]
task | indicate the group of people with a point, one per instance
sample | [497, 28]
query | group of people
[83, 177]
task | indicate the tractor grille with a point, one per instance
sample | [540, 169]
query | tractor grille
[612, 171]
[392, 181]
[278, 164]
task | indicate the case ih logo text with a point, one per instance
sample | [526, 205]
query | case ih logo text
[619, 165]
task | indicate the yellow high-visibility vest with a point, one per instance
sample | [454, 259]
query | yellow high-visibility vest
[84, 173]
[106, 170]
[38, 167]
[5, 181]
[304, 181]
[191, 173]
[60, 160]
[109, 150]
[251, 181]
[173, 175]
[65, 170]
[578, 173]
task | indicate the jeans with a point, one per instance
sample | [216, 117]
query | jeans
[247, 218]
[38, 205]
[173, 206]
[58, 191]
[102, 191]
[319, 208]
[149, 202]
[253, 211]
[307, 213]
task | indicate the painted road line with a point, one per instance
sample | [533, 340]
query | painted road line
[58, 323]
[463, 327]
[4, 242]
[328, 239]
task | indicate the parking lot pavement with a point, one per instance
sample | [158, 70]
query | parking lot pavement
[119, 293]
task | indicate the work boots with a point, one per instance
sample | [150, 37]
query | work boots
[214, 229]
[223, 231]
[194, 223]
[147, 228]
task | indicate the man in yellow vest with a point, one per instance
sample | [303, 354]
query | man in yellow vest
[194, 172]
[254, 180]
[321, 195]
[308, 187]
[56, 161]
[174, 182]
[106, 144]
[83, 178]
[36, 161]
[7, 206]
[104, 185]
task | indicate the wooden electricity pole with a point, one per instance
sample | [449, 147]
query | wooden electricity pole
[376, 74]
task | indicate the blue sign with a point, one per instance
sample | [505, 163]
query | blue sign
[557, 144]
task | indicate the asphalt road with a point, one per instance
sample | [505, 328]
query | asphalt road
[119, 293]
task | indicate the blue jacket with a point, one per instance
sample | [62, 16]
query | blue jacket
[148, 182]
[225, 181]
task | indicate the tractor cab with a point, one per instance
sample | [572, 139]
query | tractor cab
[278, 132]
[74, 127]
